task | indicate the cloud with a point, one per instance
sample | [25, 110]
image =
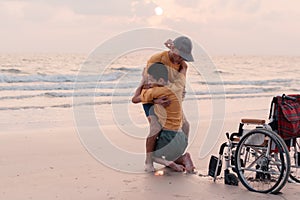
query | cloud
[143, 8]
[82, 7]
[188, 3]
[96, 7]
[221, 24]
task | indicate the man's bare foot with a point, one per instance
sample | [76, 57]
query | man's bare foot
[176, 167]
[149, 167]
[188, 163]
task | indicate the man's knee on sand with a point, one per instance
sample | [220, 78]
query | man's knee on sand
[170, 145]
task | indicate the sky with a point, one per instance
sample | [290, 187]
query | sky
[222, 27]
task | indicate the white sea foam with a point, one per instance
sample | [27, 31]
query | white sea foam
[59, 78]
[249, 82]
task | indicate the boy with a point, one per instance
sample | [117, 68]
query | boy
[171, 142]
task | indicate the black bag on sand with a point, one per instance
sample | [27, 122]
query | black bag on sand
[213, 166]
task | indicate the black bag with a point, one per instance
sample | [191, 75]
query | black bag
[213, 166]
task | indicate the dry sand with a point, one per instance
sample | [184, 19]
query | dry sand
[46, 160]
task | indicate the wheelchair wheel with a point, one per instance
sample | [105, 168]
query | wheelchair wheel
[295, 160]
[262, 161]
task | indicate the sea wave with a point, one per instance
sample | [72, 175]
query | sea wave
[64, 105]
[124, 101]
[11, 70]
[59, 78]
[248, 82]
[251, 90]
[125, 93]
[67, 86]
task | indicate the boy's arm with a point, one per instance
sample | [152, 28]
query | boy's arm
[143, 95]
[164, 101]
[137, 95]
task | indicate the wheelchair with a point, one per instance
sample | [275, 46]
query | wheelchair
[263, 156]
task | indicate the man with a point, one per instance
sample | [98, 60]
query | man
[179, 52]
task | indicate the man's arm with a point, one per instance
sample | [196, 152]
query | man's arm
[178, 84]
[183, 68]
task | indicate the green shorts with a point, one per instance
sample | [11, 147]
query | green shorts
[170, 145]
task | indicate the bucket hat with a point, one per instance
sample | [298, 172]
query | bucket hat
[184, 45]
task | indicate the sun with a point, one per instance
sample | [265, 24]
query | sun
[158, 10]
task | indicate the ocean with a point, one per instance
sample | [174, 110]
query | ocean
[45, 81]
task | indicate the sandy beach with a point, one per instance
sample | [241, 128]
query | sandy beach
[69, 69]
[45, 159]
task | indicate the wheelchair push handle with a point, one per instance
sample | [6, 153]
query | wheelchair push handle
[288, 98]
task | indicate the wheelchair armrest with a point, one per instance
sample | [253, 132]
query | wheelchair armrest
[253, 121]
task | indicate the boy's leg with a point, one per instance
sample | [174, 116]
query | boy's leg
[155, 128]
[176, 167]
